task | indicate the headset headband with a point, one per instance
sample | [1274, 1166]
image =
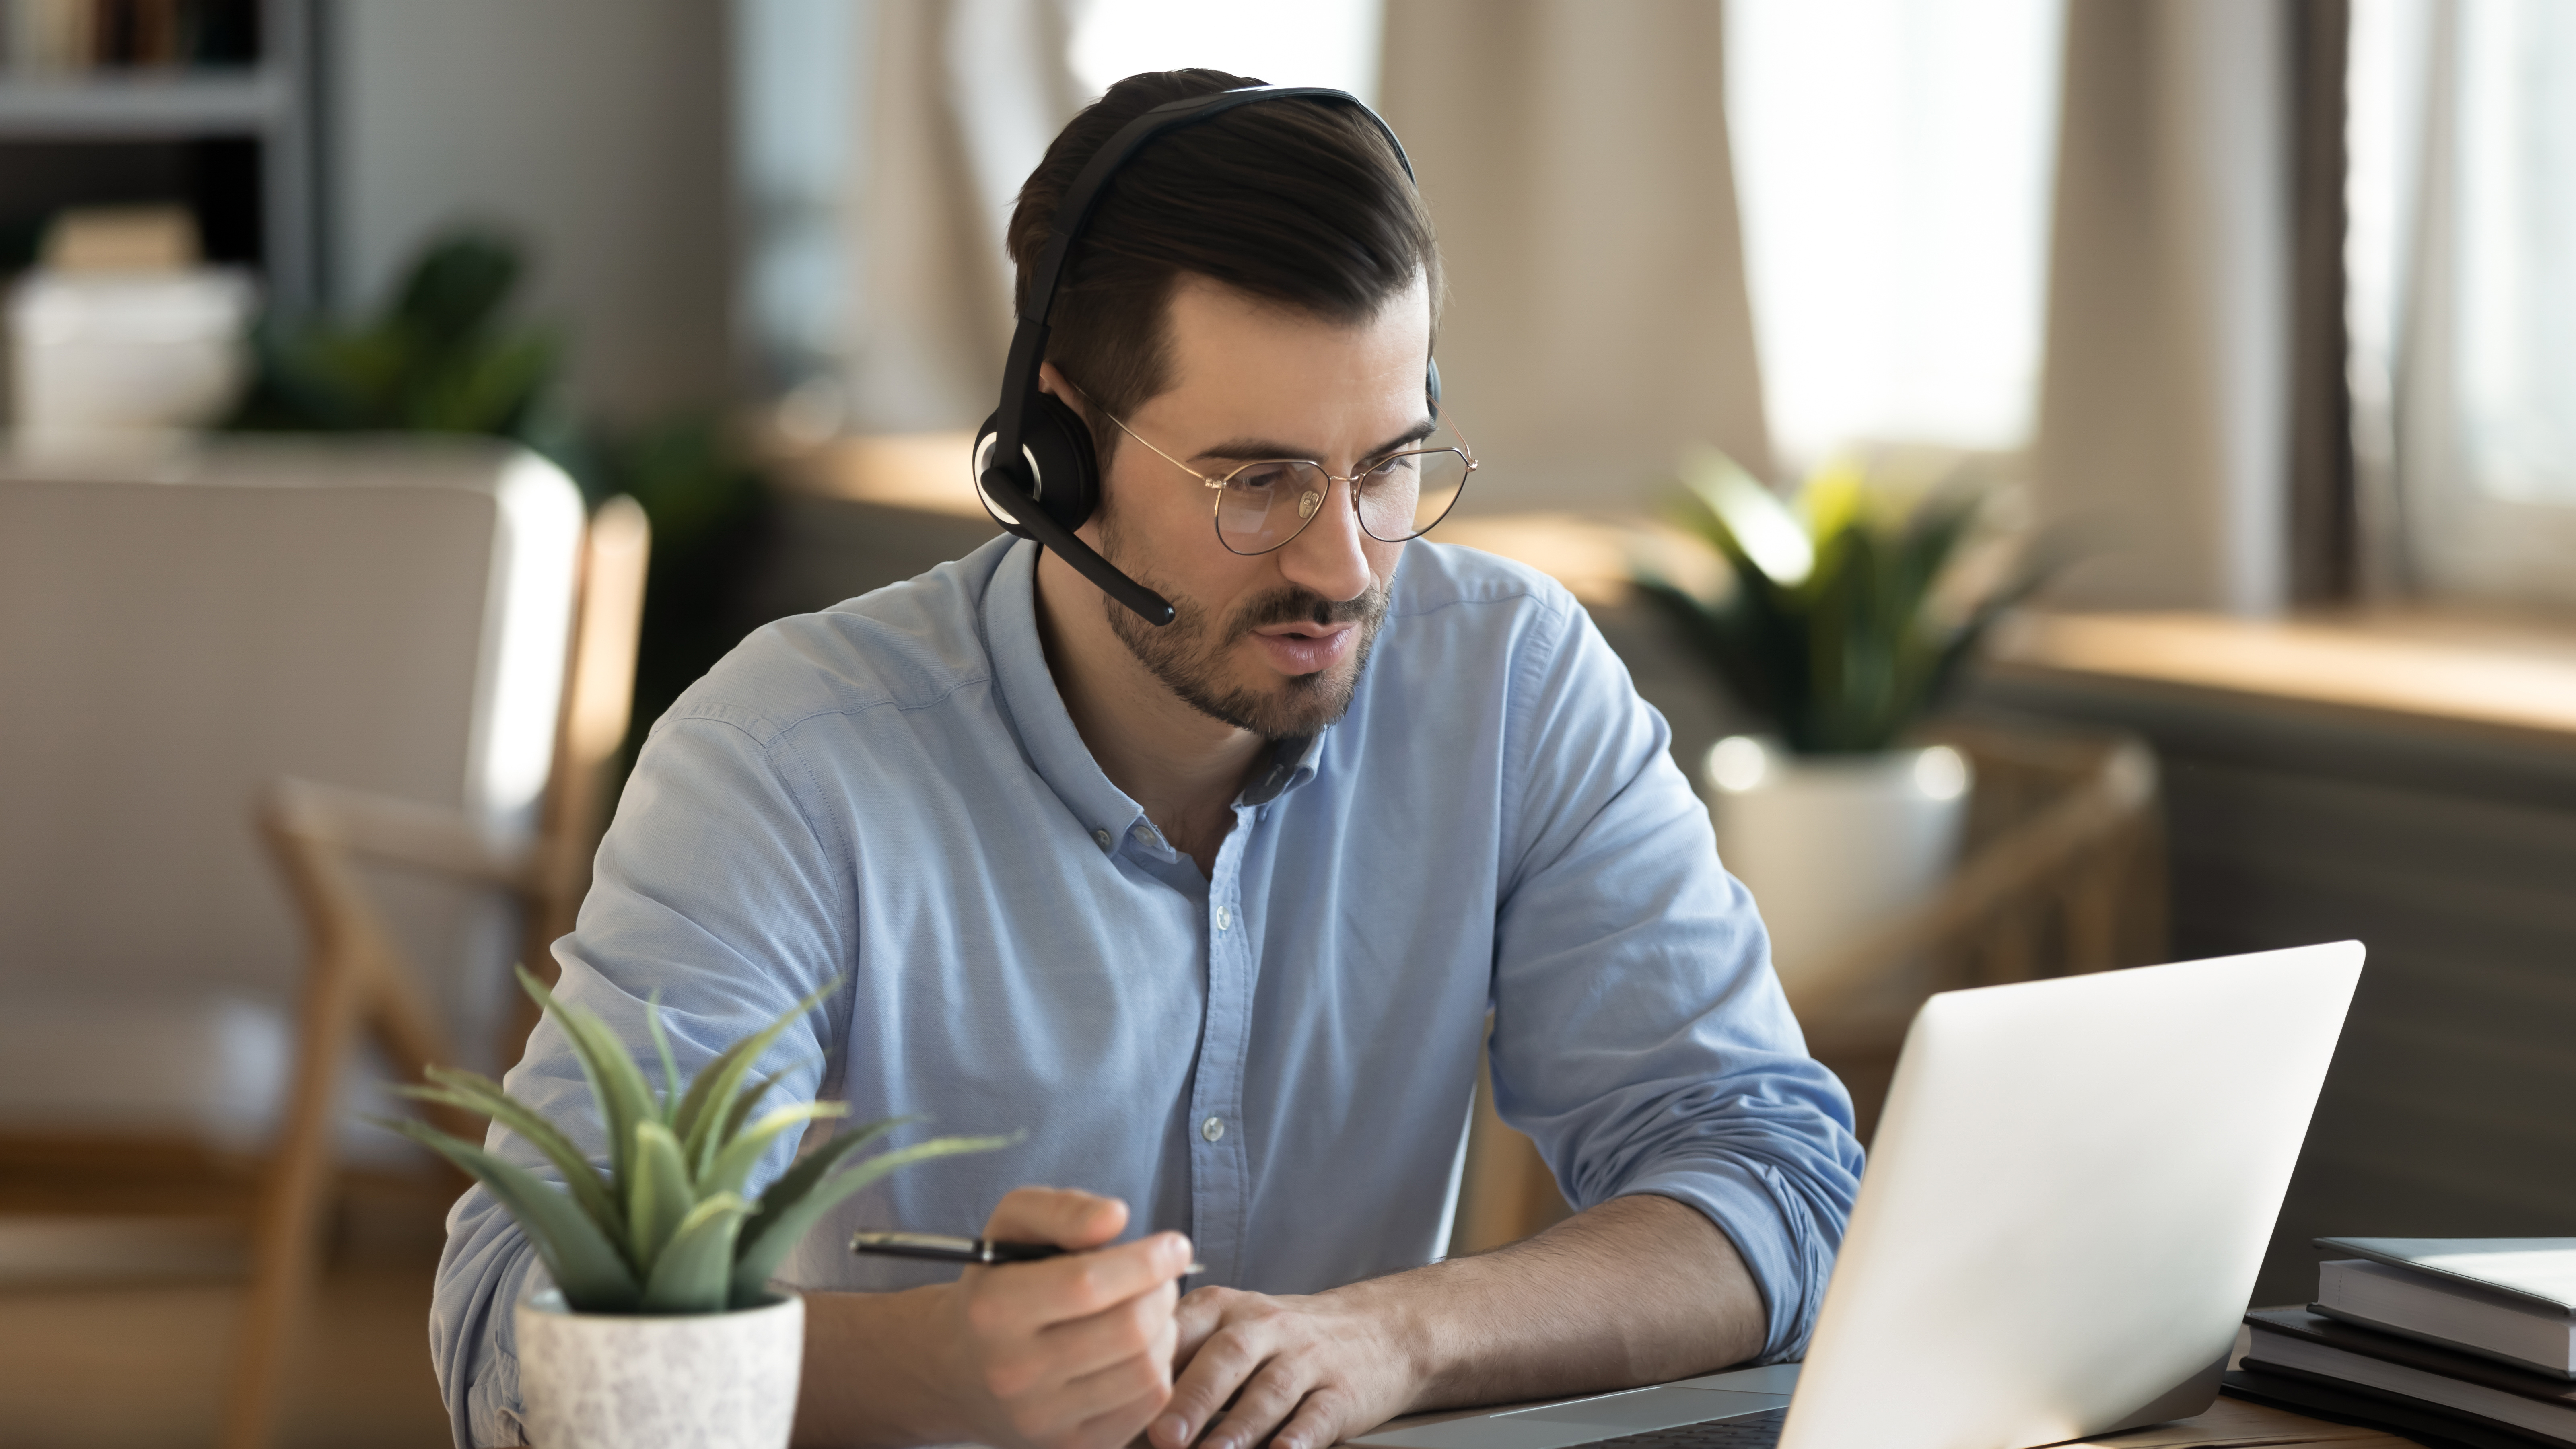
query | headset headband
[1029, 337]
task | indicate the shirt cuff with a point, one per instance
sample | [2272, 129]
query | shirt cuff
[1789, 1254]
[492, 1406]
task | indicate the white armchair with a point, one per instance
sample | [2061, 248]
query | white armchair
[233, 685]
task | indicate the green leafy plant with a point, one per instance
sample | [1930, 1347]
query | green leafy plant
[666, 1228]
[440, 358]
[1844, 624]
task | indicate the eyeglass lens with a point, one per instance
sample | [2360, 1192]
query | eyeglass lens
[1267, 504]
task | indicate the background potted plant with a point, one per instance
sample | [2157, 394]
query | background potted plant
[1845, 619]
[660, 1328]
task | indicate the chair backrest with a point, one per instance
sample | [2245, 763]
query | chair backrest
[387, 615]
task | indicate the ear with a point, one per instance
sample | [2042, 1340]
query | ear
[1052, 383]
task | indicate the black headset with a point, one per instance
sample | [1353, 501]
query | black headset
[1033, 460]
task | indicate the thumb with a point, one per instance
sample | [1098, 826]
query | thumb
[1067, 1217]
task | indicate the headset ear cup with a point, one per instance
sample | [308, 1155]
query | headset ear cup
[1068, 466]
[1067, 482]
[1006, 508]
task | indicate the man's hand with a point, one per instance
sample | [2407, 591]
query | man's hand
[1635, 1291]
[1078, 1352]
[1073, 1352]
[1303, 1373]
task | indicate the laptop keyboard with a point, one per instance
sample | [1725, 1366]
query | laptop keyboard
[1745, 1431]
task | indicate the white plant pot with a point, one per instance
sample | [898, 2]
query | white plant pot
[1831, 845]
[619, 1381]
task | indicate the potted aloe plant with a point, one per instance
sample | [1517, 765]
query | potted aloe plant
[661, 1329]
[1847, 616]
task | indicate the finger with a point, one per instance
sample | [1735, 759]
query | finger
[1064, 1216]
[1020, 1300]
[1224, 1363]
[1137, 1328]
[1119, 1425]
[1201, 1313]
[1263, 1405]
[1084, 1402]
[1321, 1421]
[1078, 1285]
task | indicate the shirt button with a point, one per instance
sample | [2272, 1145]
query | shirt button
[1101, 838]
[1212, 1129]
[1224, 922]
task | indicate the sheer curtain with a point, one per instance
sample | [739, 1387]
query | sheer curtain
[881, 144]
[2164, 422]
[1575, 157]
[2463, 304]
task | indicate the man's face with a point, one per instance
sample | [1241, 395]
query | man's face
[1272, 643]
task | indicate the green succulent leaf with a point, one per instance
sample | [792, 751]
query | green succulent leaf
[1830, 633]
[481, 1095]
[667, 1230]
[736, 1159]
[660, 1196]
[670, 1065]
[814, 1166]
[799, 1199]
[699, 1113]
[695, 1272]
[614, 1079]
[743, 1103]
[583, 1262]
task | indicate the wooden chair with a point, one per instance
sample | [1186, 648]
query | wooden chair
[465, 573]
[2062, 872]
[356, 980]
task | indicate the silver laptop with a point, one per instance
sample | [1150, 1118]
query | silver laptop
[2070, 1193]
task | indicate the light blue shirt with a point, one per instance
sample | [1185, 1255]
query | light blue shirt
[1277, 1059]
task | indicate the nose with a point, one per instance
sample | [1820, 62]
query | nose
[1327, 555]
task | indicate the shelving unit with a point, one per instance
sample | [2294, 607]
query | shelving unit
[236, 145]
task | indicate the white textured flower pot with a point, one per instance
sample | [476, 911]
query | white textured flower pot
[1831, 845]
[617, 1381]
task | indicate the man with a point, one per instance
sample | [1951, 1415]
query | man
[1215, 911]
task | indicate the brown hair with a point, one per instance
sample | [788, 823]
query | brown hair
[1298, 201]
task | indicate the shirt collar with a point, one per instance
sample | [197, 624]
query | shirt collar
[1037, 710]
[1046, 731]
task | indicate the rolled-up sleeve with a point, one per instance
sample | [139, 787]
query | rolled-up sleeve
[1640, 1036]
[728, 935]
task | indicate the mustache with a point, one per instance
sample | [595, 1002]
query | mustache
[1305, 606]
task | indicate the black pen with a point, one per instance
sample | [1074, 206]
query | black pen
[939, 1248]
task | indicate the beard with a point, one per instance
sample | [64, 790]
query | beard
[1190, 655]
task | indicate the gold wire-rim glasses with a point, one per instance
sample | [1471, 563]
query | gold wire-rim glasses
[1465, 452]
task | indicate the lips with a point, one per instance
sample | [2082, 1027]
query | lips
[1305, 648]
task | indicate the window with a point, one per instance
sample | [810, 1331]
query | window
[2463, 299]
[1893, 160]
[1315, 42]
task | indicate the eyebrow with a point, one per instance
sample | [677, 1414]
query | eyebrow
[1259, 450]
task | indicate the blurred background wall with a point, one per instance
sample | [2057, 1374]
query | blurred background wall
[595, 131]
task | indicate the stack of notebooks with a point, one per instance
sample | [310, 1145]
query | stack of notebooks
[2469, 1341]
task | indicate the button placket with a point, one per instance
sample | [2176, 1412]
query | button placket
[1220, 1171]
